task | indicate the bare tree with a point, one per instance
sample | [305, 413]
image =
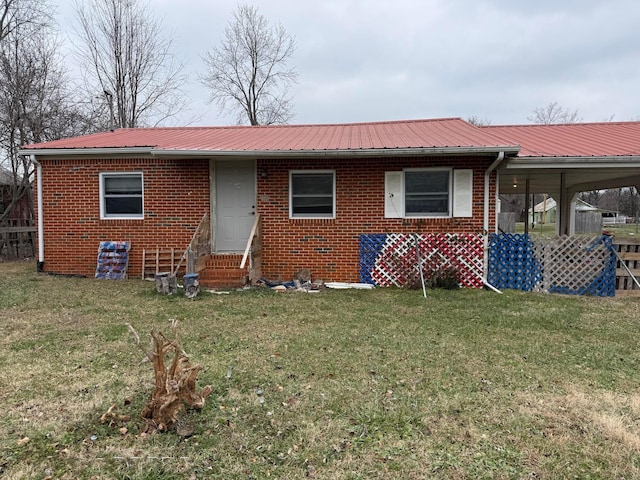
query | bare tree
[16, 14]
[35, 104]
[129, 61]
[248, 73]
[478, 121]
[624, 200]
[553, 114]
[592, 197]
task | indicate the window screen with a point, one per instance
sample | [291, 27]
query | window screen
[312, 194]
[122, 195]
[426, 193]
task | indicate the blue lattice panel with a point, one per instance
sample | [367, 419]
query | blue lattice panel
[370, 248]
[512, 262]
[575, 265]
[389, 259]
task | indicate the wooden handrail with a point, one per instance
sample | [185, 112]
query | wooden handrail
[189, 249]
[250, 241]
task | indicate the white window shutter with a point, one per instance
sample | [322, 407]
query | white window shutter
[393, 195]
[463, 193]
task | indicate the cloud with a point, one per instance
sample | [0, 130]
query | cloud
[366, 60]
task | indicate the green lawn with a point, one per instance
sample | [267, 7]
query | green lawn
[357, 384]
[626, 231]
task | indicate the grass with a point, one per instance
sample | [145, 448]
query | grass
[357, 384]
[623, 231]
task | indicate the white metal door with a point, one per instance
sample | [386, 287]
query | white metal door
[235, 203]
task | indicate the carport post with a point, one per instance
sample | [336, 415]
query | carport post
[566, 208]
[527, 206]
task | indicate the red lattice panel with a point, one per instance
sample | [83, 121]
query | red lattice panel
[398, 259]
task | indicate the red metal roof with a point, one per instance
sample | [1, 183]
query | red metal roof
[572, 140]
[436, 133]
[567, 140]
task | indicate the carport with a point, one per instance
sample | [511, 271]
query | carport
[564, 160]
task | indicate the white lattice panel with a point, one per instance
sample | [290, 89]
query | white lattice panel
[570, 263]
[398, 258]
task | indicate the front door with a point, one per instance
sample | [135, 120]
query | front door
[235, 203]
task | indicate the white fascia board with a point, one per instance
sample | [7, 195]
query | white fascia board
[571, 162]
[372, 152]
[65, 152]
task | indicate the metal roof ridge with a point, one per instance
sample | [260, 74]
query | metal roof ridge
[289, 125]
[547, 125]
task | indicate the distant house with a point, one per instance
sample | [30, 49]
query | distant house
[610, 218]
[21, 209]
[329, 198]
[545, 211]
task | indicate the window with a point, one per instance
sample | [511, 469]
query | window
[312, 194]
[121, 195]
[426, 193]
[434, 192]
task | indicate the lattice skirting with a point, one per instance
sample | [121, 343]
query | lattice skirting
[393, 259]
[513, 263]
[573, 265]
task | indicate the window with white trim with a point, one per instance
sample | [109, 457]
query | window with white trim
[121, 195]
[312, 194]
[433, 192]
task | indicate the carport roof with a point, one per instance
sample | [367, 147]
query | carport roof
[605, 139]
[582, 156]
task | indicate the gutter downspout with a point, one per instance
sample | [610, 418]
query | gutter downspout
[487, 175]
[38, 165]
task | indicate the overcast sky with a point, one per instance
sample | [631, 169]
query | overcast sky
[375, 60]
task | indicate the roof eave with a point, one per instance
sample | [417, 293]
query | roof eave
[606, 161]
[364, 152]
[107, 151]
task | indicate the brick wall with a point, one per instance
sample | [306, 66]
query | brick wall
[329, 247]
[176, 196]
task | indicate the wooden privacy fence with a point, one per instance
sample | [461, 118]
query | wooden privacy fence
[17, 239]
[628, 253]
[577, 265]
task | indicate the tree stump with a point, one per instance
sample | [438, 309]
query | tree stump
[166, 283]
[175, 381]
[191, 283]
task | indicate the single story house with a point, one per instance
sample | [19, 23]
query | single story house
[309, 191]
[550, 207]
